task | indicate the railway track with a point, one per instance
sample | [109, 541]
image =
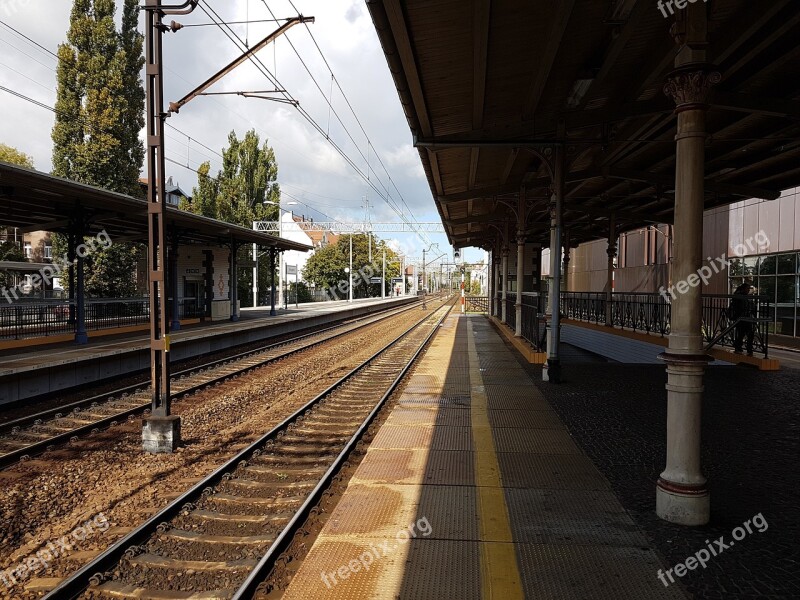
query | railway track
[220, 539]
[23, 438]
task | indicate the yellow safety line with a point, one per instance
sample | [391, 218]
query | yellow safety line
[500, 576]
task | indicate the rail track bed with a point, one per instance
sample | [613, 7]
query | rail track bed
[23, 438]
[222, 537]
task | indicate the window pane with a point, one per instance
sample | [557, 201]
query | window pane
[734, 283]
[768, 265]
[786, 289]
[737, 267]
[784, 320]
[750, 266]
[765, 286]
[786, 264]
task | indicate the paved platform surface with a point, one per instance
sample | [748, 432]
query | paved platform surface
[37, 357]
[751, 444]
[473, 488]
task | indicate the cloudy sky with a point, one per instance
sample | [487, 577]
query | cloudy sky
[310, 169]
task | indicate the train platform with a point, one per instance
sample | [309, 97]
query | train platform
[474, 488]
[36, 371]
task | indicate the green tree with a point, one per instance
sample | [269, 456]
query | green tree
[238, 194]
[326, 267]
[99, 113]
[11, 155]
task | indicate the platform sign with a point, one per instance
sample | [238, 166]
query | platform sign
[375, 280]
[291, 269]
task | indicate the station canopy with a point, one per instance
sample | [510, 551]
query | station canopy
[34, 201]
[487, 85]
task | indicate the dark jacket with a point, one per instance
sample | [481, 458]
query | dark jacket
[740, 305]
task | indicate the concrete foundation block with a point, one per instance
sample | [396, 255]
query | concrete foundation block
[161, 435]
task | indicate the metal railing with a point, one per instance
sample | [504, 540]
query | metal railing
[26, 320]
[651, 314]
[533, 323]
[477, 304]
[511, 311]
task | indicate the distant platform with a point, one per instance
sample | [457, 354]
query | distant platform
[37, 371]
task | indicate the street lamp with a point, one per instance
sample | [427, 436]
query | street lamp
[280, 255]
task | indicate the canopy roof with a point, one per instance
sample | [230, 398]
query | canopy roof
[34, 201]
[487, 84]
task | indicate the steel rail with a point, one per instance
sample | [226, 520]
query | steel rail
[12, 457]
[95, 571]
[248, 589]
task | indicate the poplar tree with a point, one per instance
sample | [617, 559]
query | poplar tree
[99, 114]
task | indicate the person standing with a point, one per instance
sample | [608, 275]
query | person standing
[741, 310]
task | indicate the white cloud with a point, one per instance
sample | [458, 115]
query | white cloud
[344, 31]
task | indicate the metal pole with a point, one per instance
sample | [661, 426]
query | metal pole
[424, 280]
[280, 260]
[383, 276]
[255, 269]
[350, 273]
[553, 371]
[156, 196]
[272, 279]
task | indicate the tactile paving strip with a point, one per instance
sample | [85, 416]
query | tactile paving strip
[377, 511]
[544, 441]
[392, 466]
[452, 511]
[390, 436]
[443, 400]
[441, 569]
[571, 517]
[445, 467]
[347, 578]
[550, 471]
[581, 572]
[413, 415]
[525, 419]
[452, 438]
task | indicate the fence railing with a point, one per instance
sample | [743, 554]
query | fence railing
[511, 311]
[651, 314]
[477, 304]
[26, 320]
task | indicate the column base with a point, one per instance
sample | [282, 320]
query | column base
[234, 318]
[81, 337]
[551, 371]
[689, 506]
[161, 435]
[175, 326]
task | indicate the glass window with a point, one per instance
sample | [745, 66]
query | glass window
[737, 267]
[750, 266]
[765, 286]
[27, 250]
[786, 289]
[735, 282]
[48, 251]
[786, 264]
[768, 265]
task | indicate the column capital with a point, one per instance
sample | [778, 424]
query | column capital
[521, 238]
[504, 252]
[690, 87]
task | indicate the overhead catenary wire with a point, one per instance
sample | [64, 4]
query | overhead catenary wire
[265, 71]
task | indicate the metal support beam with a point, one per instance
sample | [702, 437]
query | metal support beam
[233, 281]
[611, 252]
[81, 336]
[272, 280]
[175, 325]
[161, 431]
[553, 371]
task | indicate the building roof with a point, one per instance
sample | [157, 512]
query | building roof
[35, 201]
[316, 236]
[486, 90]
